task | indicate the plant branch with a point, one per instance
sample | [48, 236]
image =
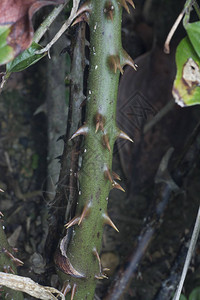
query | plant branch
[190, 252]
[47, 22]
[64, 27]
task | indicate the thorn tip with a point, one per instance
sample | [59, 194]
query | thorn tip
[124, 136]
[108, 221]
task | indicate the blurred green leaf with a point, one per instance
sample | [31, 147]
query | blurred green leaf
[195, 294]
[186, 89]
[6, 52]
[193, 31]
[25, 59]
[182, 297]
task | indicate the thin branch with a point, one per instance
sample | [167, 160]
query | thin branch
[27, 285]
[172, 31]
[47, 22]
[169, 285]
[64, 27]
[197, 9]
[190, 252]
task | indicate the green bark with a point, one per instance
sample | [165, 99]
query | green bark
[106, 59]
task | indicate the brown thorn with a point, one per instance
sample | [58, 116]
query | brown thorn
[63, 263]
[73, 291]
[82, 18]
[66, 289]
[124, 4]
[11, 270]
[1, 214]
[1, 190]
[99, 277]
[82, 130]
[107, 220]
[85, 212]
[87, 6]
[124, 136]
[97, 126]
[131, 3]
[117, 186]
[114, 61]
[98, 258]
[127, 60]
[99, 121]
[15, 249]
[110, 13]
[16, 261]
[107, 174]
[106, 142]
[106, 269]
[73, 222]
[116, 176]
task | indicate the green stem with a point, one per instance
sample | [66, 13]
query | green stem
[105, 50]
[197, 9]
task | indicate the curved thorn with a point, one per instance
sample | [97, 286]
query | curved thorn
[124, 4]
[87, 6]
[83, 130]
[110, 13]
[97, 127]
[106, 269]
[1, 214]
[99, 277]
[73, 291]
[116, 176]
[1, 190]
[66, 289]
[99, 121]
[73, 222]
[117, 186]
[124, 136]
[107, 174]
[64, 264]
[108, 10]
[16, 261]
[82, 18]
[85, 212]
[95, 252]
[131, 3]
[114, 62]
[107, 220]
[10, 269]
[127, 60]
[106, 142]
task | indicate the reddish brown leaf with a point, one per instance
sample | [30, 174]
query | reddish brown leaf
[17, 14]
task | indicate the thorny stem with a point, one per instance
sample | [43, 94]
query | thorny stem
[106, 60]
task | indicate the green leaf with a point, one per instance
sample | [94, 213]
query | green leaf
[186, 89]
[6, 51]
[25, 59]
[195, 294]
[182, 297]
[193, 31]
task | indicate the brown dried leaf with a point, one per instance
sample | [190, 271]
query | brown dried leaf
[16, 15]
